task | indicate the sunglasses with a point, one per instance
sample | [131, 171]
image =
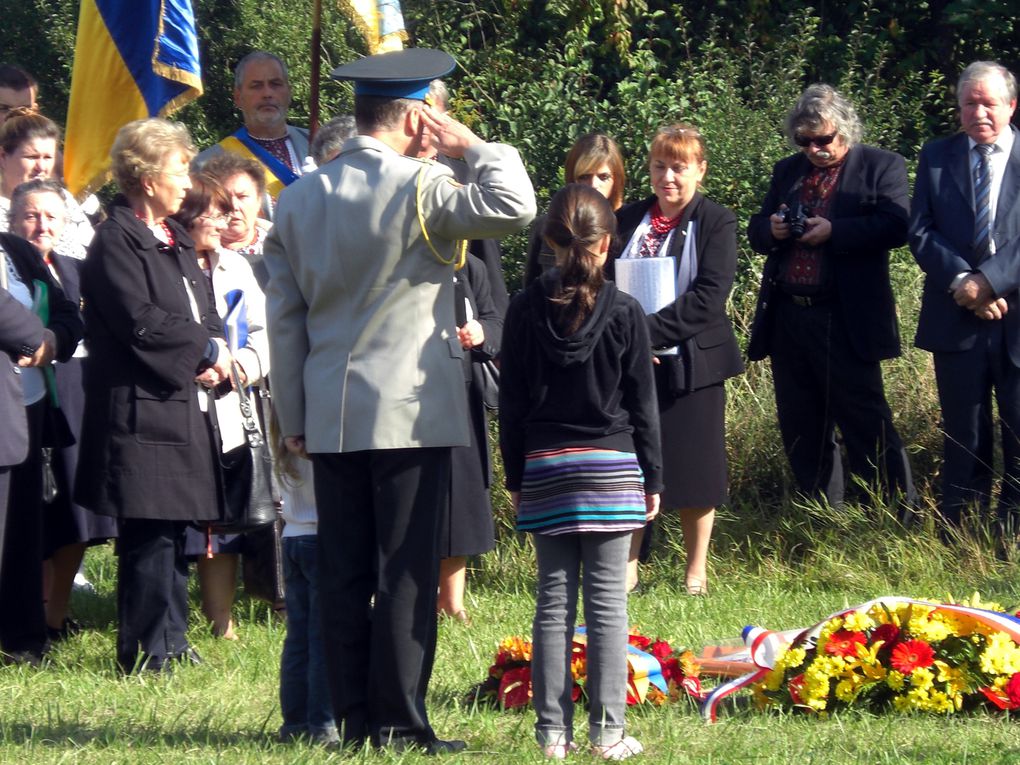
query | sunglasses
[818, 140]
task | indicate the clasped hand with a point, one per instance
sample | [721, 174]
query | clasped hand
[219, 370]
[975, 294]
[44, 354]
[471, 335]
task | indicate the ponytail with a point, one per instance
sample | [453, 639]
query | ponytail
[579, 219]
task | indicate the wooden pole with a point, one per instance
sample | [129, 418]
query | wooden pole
[313, 99]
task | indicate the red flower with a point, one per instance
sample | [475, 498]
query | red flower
[910, 655]
[844, 643]
[661, 650]
[887, 633]
[515, 688]
[639, 641]
[794, 686]
[671, 670]
[1013, 689]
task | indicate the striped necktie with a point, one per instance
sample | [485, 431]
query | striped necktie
[982, 199]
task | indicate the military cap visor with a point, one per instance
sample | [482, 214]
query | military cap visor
[397, 74]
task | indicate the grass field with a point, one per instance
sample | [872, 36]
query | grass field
[778, 572]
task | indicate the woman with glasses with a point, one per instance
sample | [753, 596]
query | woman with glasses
[205, 214]
[696, 350]
[156, 350]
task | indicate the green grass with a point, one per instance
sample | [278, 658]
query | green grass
[780, 567]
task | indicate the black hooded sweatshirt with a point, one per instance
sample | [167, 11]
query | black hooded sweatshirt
[592, 389]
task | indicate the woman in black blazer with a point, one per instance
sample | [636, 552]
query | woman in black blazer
[22, 618]
[148, 456]
[679, 221]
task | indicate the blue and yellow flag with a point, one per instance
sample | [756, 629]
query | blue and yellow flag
[132, 59]
[381, 22]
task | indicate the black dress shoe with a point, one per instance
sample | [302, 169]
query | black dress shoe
[432, 747]
[439, 746]
[188, 656]
[67, 629]
[25, 658]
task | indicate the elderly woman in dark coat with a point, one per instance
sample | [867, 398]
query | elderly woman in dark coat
[155, 348]
[22, 619]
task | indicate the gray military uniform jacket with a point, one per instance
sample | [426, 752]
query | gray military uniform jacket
[361, 321]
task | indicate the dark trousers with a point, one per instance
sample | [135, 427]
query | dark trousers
[152, 593]
[22, 614]
[378, 528]
[966, 381]
[821, 383]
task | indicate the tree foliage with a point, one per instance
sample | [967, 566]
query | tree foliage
[539, 73]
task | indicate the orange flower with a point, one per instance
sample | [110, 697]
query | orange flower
[910, 655]
[844, 643]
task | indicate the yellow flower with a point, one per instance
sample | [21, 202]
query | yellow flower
[774, 679]
[925, 627]
[858, 621]
[922, 678]
[1001, 656]
[846, 690]
[791, 658]
[894, 680]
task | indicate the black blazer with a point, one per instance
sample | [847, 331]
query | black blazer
[941, 234]
[697, 320]
[869, 217]
[146, 450]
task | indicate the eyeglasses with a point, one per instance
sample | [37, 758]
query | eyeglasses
[587, 177]
[214, 218]
[818, 140]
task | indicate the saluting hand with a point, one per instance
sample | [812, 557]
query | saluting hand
[449, 136]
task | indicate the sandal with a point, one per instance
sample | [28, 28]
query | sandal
[696, 587]
[558, 751]
[626, 747]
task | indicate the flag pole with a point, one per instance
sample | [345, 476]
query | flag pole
[313, 99]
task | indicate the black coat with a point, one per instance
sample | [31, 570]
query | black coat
[146, 448]
[697, 321]
[869, 213]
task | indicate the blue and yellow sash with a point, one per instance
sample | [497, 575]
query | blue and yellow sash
[278, 175]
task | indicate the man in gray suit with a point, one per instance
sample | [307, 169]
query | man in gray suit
[965, 235]
[368, 377]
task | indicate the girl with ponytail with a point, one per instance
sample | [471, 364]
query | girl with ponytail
[579, 433]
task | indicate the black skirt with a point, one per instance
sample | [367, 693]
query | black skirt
[467, 528]
[694, 449]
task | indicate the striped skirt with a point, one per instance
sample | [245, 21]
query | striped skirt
[581, 489]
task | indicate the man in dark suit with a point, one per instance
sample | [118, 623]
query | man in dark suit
[965, 235]
[825, 314]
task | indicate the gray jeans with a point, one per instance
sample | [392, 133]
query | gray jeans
[603, 557]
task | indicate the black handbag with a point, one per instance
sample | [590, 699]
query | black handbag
[249, 491]
[487, 374]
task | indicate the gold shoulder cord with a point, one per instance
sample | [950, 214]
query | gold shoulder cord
[459, 256]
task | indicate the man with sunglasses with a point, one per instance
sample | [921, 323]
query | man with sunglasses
[965, 236]
[825, 313]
